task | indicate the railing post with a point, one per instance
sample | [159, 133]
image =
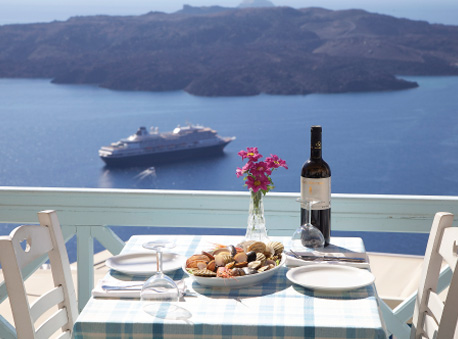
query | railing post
[108, 239]
[85, 264]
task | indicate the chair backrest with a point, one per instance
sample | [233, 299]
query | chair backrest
[21, 248]
[432, 317]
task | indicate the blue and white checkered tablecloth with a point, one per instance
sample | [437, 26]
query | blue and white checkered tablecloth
[274, 309]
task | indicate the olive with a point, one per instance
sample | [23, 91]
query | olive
[251, 256]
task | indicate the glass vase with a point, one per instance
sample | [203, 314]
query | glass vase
[256, 228]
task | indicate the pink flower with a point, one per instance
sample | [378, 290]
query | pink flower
[245, 169]
[275, 162]
[283, 164]
[251, 153]
[258, 173]
[243, 154]
[248, 166]
[257, 183]
[261, 168]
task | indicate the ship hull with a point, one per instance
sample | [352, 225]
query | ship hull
[163, 157]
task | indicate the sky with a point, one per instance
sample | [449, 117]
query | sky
[27, 11]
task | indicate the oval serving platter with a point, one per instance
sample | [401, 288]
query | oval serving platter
[236, 282]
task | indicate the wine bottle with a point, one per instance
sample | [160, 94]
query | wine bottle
[316, 186]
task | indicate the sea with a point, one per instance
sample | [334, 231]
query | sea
[400, 142]
[394, 142]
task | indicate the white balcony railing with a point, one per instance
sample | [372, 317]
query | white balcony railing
[87, 213]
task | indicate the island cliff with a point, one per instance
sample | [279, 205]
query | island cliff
[216, 51]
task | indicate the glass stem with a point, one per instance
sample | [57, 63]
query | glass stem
[159, 260]
[310, 212]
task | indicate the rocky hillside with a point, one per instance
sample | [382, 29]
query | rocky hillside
[215, 51]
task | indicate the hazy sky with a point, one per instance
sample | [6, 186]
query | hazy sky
[22, 11]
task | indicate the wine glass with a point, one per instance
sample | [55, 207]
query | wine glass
[308, 235]
[159, 290]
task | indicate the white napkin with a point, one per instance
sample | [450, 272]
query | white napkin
[329, 251]
[127, 289]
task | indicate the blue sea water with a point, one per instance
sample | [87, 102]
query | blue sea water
[402, 142]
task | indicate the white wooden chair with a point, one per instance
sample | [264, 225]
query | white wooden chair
[24, 245]
[432, 317]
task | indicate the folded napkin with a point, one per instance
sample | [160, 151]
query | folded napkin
[327, 252]
[293, 262]
[330, 253]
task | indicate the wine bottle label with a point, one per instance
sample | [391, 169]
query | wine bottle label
[316, 190]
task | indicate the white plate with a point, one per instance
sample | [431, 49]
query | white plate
[326, 277]
[236, 282]
[144, 263]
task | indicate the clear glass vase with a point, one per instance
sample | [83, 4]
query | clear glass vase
[256, 228]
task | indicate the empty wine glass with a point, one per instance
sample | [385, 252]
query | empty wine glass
[159, 290]
[307, 235]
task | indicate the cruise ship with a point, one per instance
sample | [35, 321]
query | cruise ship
[151, 147]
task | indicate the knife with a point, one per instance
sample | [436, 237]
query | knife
[137, 286]
[122, 287]
[324, 258]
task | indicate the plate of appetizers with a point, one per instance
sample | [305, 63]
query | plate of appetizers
[236, 266]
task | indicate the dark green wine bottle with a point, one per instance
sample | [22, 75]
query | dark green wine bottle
[316, 186]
